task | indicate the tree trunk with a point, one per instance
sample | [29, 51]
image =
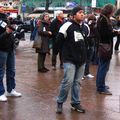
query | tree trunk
[48, 2]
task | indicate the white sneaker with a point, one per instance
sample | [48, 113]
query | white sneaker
[14, 93]
[89, 76]
[3, 98]
[83, 78]
[54, 67]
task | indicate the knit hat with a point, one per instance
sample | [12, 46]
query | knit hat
[75, 10]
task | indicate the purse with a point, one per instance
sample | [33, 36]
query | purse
[104, 51]
[37, 42]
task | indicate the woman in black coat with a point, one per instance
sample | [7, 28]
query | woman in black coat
[44, 34]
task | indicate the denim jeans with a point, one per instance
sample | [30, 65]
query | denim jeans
[89, 59]
[71, 80]
[117, 43]
[103, 67]
[33, 34]
[7, 60]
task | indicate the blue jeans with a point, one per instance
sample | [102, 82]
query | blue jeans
[33, 34]
[103, 67]
[89, 59]
[72, 76]
[7, 60]
[117, 43]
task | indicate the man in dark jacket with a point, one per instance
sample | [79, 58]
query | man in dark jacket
[3, 22]
[106, 34]
[54, 28]
[33, 27]
[71, 40]
[7, 59]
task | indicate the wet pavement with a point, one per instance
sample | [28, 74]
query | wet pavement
[40, 90]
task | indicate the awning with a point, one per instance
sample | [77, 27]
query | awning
[36, 15]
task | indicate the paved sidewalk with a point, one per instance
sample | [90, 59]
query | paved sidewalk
[40, 90]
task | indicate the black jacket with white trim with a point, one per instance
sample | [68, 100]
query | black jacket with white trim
[71, 39]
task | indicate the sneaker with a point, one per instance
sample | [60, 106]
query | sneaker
[54, 67]
[107, 87]
[3, 98]
[46, 69]
[80, 86]
[14, 93]
[77, 107]
[49, 53]
[59, 108]
[42, 70]
[83, 78]
[61, 67]
[106, 92]
[89, 76]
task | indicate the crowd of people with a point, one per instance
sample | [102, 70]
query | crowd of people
[76, 40]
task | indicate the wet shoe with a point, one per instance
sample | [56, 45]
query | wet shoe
[46, 69]
[89, 76]
[49, 53]
[59, 108]
[107, 87]
[83, 78]
[77, 107]
[61, 67]
[14, 93]
[54, 67]
[106, 92]
[3, 98]
[42, 70]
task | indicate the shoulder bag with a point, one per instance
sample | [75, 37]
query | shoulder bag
[104, 51]
[37, 43]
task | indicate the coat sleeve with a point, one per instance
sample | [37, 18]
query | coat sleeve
[53, 29]
[107, 30]
[3, 36]
[59, 40]
[61, 36]
[42, 32]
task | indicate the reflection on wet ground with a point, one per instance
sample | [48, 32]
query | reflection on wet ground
[40, 90]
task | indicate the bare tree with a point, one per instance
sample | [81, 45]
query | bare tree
[48, 2]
